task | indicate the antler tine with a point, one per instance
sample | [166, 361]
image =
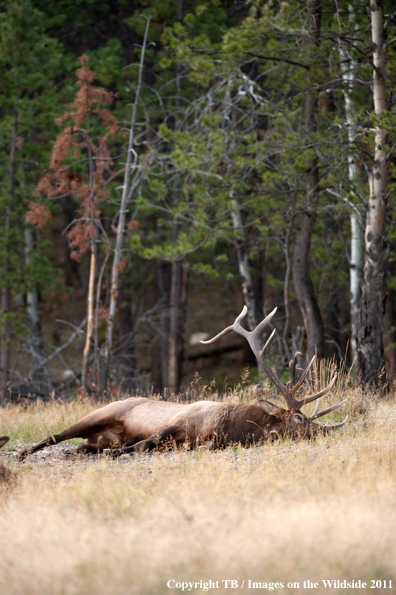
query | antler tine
[292, 367]
[252, 338]
[237, 327]
[334, 426]
[264, 322]
[315, 415]
[303, 377]
[260, 353]
[322, 392]
[267, 368]
[264, 349]
[316, 407]
[291, 401]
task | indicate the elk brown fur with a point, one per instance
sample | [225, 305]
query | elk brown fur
[138, 424]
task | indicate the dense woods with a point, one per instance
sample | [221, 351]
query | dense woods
[165, 162]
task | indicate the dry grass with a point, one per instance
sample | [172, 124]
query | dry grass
[283, 512]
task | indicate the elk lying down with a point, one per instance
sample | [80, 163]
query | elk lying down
[138, 424]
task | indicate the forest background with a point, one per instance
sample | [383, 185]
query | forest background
[164, 163]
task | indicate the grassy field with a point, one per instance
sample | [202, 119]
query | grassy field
[281, 513]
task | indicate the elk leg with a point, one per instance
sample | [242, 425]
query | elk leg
[96, 444]
[208, 445]
[75, 431]
[87, 448]
[149, 444]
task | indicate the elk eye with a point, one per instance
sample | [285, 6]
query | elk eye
[299, 417]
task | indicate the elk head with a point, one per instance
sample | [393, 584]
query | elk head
[291, 422]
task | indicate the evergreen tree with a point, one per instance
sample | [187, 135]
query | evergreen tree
[31, 67]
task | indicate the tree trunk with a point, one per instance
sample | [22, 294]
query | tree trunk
[72, 266]
[301, 276]
[126, 352]
[6, 292]
[174, 307]
[127, 190]
[370, 344]
[32, 296]
[286, 289]
[38, 373]
[390, 338]
[160, 349]
[355, 276]
[356, 262]
[6, 332]
[90, 318]
[178, 290]
[253, 314]
[304, 288]
[177, 316]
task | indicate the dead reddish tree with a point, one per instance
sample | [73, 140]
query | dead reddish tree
[81, 166]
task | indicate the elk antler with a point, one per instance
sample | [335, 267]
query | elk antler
[253, 339]
[317, 414]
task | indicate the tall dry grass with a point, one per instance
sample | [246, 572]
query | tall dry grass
[282, 512]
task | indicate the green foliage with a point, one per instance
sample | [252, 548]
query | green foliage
[31, 63]
[221, 128]
[242, 144]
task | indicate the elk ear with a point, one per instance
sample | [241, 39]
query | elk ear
[271, 409]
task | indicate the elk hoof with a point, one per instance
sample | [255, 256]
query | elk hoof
[208, 445]
[110, 452]
[20, 457]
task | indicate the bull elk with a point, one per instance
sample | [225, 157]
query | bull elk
[139, 424]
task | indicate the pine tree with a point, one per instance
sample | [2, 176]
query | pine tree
[30, 60]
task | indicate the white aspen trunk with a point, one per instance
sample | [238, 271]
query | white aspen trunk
[243, 266]
[121, 223]
[356, 262]
[90, 317]
[253, 318]
[355, 278]
[370, 344]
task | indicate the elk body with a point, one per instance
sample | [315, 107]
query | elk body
[138, 424]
